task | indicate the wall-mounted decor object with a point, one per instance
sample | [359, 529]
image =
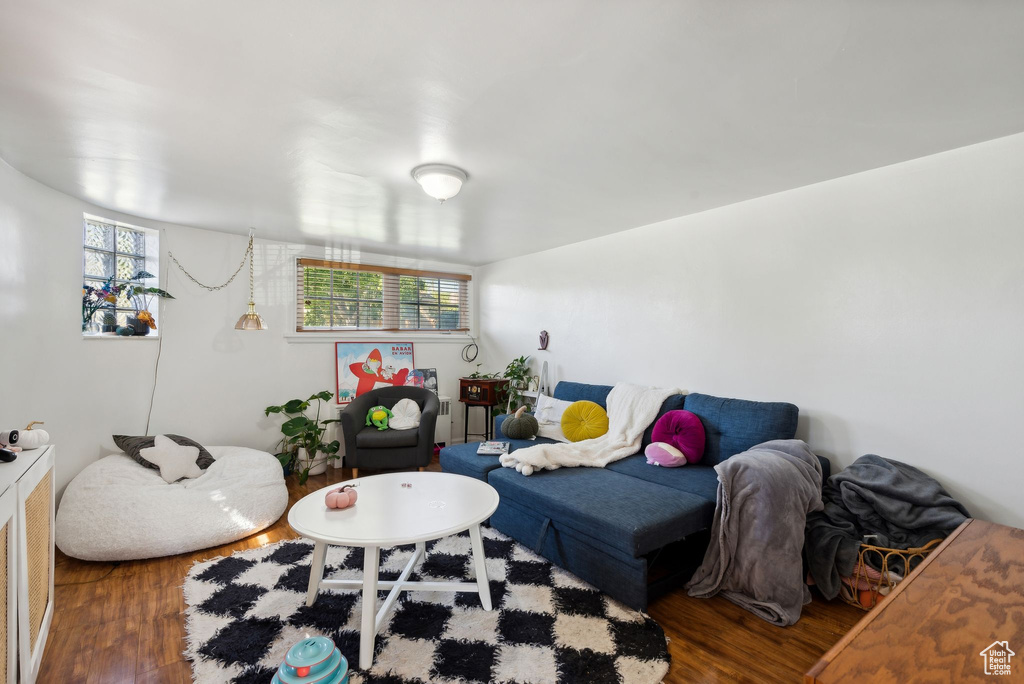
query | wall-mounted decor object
[361, 366]
[425, 378]
[543, 340]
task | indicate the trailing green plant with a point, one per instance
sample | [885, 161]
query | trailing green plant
[517, 372]
[477, 375]
[301, 431]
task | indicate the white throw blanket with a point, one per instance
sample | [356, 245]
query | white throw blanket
[631, 408]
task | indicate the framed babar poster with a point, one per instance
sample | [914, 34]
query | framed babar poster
[361, 366]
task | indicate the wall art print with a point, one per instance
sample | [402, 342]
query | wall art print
[362, 366]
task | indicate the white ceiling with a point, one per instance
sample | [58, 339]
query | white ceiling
[573, 118]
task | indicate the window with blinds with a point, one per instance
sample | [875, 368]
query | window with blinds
[333, 295]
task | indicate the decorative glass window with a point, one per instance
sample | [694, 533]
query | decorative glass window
[116, 257]
[333, 295]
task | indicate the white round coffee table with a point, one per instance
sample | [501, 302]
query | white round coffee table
[388, 514]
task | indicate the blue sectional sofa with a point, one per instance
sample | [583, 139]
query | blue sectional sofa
[631, 529]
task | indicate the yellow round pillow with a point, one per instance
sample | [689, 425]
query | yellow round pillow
[584, 420]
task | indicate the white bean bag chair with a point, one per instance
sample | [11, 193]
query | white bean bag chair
[116, 509]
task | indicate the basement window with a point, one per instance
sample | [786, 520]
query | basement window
[117, 258]
[334, 295]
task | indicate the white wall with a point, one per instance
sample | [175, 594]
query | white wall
[214, 381]
[888, 305]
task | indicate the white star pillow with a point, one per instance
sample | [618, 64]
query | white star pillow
[175, 461]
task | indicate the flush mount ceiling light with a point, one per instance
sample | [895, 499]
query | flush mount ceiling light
[440, 181]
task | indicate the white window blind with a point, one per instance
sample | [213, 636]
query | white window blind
[333, 295]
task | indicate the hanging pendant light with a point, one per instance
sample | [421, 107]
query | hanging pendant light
[251, 320]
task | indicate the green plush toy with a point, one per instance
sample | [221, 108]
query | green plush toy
[378, 416]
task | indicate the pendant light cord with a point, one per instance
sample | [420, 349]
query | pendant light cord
[252, 285]
[212, 288]
[159, 346]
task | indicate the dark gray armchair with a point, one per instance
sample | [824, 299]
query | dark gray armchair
[368, 447]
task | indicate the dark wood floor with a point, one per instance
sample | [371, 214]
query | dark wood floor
[125, 622]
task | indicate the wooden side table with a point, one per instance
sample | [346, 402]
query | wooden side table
[484, 392]
[962, 600]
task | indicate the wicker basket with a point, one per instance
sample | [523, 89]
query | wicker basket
[868, 585]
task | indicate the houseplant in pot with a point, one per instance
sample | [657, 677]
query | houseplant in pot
[109, 324]
[106, 296]
[98, 297]
[303, 448]
[142, 298]
[518, 374]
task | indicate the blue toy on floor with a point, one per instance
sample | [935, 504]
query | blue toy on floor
[313, 660]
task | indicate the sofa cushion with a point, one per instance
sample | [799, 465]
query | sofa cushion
[548, 413]
[584, 420]
[580, 391]
[462, 459]
[684, 433]
[131, 446]
[732, 426]
[622, 512]
[700, 480]
[672, 403]
[372, 438]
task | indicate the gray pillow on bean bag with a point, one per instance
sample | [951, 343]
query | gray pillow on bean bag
[133, 445]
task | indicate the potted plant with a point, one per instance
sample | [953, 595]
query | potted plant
[106, 294]
[96, 298]
[109, 324]
[302, 445]
[142, 297]
[518, 374]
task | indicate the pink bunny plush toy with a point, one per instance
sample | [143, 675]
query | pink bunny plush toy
[342, 497]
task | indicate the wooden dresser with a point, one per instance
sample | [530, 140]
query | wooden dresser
[26, 536]
[963, 598]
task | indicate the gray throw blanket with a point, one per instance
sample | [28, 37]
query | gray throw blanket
[754, 558]
[897, 503]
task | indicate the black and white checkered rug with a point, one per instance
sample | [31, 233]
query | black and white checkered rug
[246, 610]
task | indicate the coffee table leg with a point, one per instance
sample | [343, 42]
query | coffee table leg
[368, 628]
[316, 572]
[482, 584]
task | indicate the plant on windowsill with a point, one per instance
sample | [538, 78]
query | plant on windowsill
[142, 297]
[302, 447]
[109, 324]
[99, 297]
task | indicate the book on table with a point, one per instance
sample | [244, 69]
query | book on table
[493, 448]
